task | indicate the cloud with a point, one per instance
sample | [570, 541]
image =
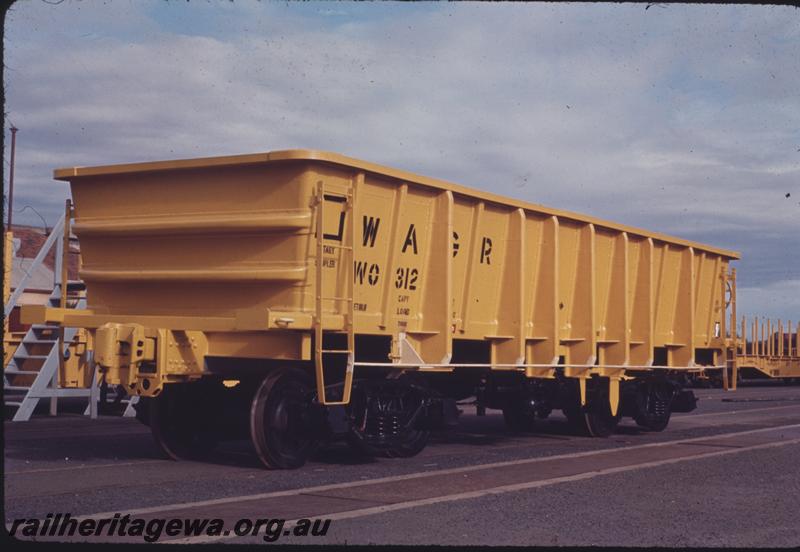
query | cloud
[682, 120]
[779, 300]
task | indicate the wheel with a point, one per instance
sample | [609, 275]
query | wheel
[411, 446]
[279, 420]
[654, 407]
[598, 420]
[181, 424]
[594, 419]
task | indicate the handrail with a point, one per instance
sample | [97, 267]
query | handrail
[57, 232]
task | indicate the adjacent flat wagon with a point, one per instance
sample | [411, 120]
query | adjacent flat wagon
[295, 296]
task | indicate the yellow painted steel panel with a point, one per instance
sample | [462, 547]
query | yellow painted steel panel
[234, 239]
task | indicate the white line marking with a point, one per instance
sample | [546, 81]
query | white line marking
[728, 413]
[680, 418]
[87, 467]
[416, 475]
[497, 490]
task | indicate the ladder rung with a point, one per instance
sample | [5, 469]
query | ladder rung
[335, 298]
[16, 388]
[345, 195]
[340, 351]
[22, 355]
[12, 403]
[20, 372]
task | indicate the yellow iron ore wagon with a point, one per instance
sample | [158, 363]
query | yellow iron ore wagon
[295, 296]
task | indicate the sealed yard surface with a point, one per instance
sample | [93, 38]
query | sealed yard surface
[724, 475]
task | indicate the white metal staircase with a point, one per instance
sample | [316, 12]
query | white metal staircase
[36, 359]
[32, 372]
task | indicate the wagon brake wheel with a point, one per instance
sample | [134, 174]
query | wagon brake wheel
[279, 416]
[728, 293]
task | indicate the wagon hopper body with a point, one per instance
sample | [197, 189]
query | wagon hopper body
[299, 294]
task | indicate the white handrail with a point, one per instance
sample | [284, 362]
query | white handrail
[57, 233]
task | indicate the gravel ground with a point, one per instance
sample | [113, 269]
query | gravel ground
[745, 499]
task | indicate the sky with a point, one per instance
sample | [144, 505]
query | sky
[675, 118]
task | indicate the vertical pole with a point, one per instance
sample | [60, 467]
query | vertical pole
[734, 361]
[320, 376]
[757, 336]
[769, 337]
[94, 391]
[744, 335]
[64, 278]
[11, 176]
[724, 329]
[350, 254]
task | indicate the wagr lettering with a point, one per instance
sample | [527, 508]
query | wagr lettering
[370, 230]
[486, 250]
[363, 270]
[411, 239]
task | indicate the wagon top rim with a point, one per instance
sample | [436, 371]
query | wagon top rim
[73, 173]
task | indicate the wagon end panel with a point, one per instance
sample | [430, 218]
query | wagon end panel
[194, 242]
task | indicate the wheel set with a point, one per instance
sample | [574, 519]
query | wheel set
[281, 418]
[385, 417]
[285, 424]
[649, 403]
